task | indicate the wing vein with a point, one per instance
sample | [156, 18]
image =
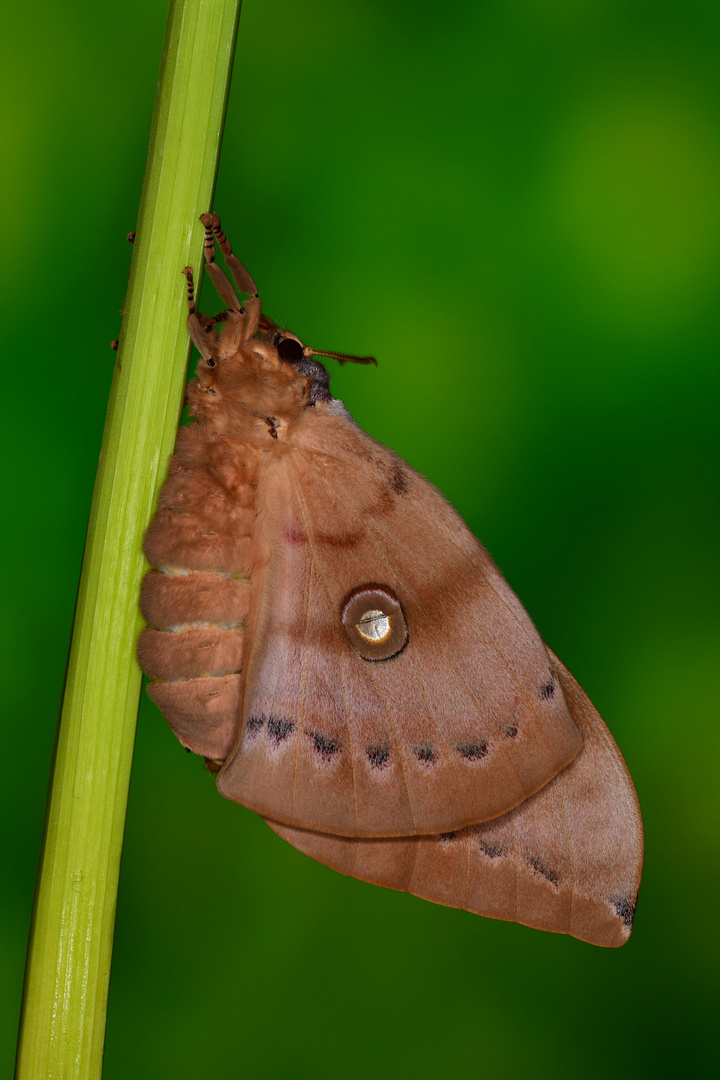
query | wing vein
[303, 681]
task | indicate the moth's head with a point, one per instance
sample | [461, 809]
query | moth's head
[247, 362]
[284, 353]
[272, 374]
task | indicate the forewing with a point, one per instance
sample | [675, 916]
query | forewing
[569, 859]
[462, 724]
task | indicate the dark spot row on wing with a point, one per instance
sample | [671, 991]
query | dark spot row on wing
[472, 751]
[547, 690]
[538, 867]
[378, 755]
[496, 851]
[493, 851]
[277, 729]
[325, 745]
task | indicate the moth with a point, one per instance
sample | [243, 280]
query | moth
[326, 632]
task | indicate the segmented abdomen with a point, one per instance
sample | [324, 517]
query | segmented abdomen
[198, 597]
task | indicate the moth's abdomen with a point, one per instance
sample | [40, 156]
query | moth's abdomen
[197, 600]
[178, 601]
[201, 653]
[200, 525]
[203, 713]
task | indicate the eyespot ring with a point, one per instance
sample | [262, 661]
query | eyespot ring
[375, 622]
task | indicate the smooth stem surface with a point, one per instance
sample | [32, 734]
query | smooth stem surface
[66, 982]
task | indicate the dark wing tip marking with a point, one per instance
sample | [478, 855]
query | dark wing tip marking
[325, 745]
[625, 908]
[473, 751]
[446, 837]
[426, 754]
[378, 755]
[538, 867]
[254, 723]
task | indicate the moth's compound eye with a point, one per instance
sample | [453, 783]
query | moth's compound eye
[374, 622]
[289, 349]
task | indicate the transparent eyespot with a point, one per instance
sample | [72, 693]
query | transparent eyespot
[374, 626]
[374, 621]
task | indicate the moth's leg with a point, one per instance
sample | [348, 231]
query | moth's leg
[197, 322]
[253, 306]
[190, 289]
[222, 316]
[240, 275]
[206, 322]
[220, 279]
[199, 337]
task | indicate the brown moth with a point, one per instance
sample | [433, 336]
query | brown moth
[325, 630]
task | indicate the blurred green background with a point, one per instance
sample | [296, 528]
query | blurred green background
[514, 206]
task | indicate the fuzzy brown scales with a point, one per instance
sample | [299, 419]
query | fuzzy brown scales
[328, 634]
[206, 525]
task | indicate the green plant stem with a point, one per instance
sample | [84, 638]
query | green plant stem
[66, 982]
